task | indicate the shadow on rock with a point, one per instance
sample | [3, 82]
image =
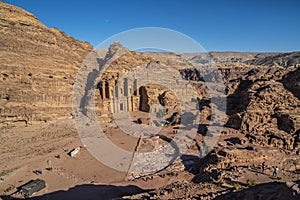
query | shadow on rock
[274, 190]
[88, 192]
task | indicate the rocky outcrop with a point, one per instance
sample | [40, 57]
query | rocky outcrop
[269, 114]
[283, 60]
[276, 190]
[38, 68]
[258, 103]
[230, 57]
[291, 81]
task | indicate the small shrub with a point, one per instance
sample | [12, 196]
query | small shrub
[222, 182]
[30, 74]
[237, 186]
[252, 182]
[50, 76]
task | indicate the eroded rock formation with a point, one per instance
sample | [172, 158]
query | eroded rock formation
[38, 68]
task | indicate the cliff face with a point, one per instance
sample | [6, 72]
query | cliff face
[262, 101]
[263, 126]
[292, 82]
[38, 68]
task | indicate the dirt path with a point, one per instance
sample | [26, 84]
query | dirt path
[46, 146]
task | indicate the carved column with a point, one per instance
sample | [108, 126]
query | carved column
[126, 92]
[120, 90]
[136, 87]
[103, 89]
[117, 95]
[110, 91]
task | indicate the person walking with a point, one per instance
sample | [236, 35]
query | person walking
[275, 172]
[263, 167]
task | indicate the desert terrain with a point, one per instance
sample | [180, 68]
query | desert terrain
[255, 114]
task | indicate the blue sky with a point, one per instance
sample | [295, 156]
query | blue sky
[270, 25]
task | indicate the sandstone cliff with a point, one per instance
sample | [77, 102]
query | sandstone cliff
[38, 68]
[263, 126]
[292, 82]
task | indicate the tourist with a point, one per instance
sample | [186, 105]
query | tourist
[263, 167]
[275, 171]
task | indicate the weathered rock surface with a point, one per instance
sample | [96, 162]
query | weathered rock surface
[292, 82]
[38, 68]
[229, 57]
[276, 190]
[185, 190]
[263, 126]
[262, 107]
[284, 60]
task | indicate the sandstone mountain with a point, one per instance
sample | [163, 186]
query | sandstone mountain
[283, 60]
[261, 105]
[263, 121]
[38, 68]
[263, 110]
